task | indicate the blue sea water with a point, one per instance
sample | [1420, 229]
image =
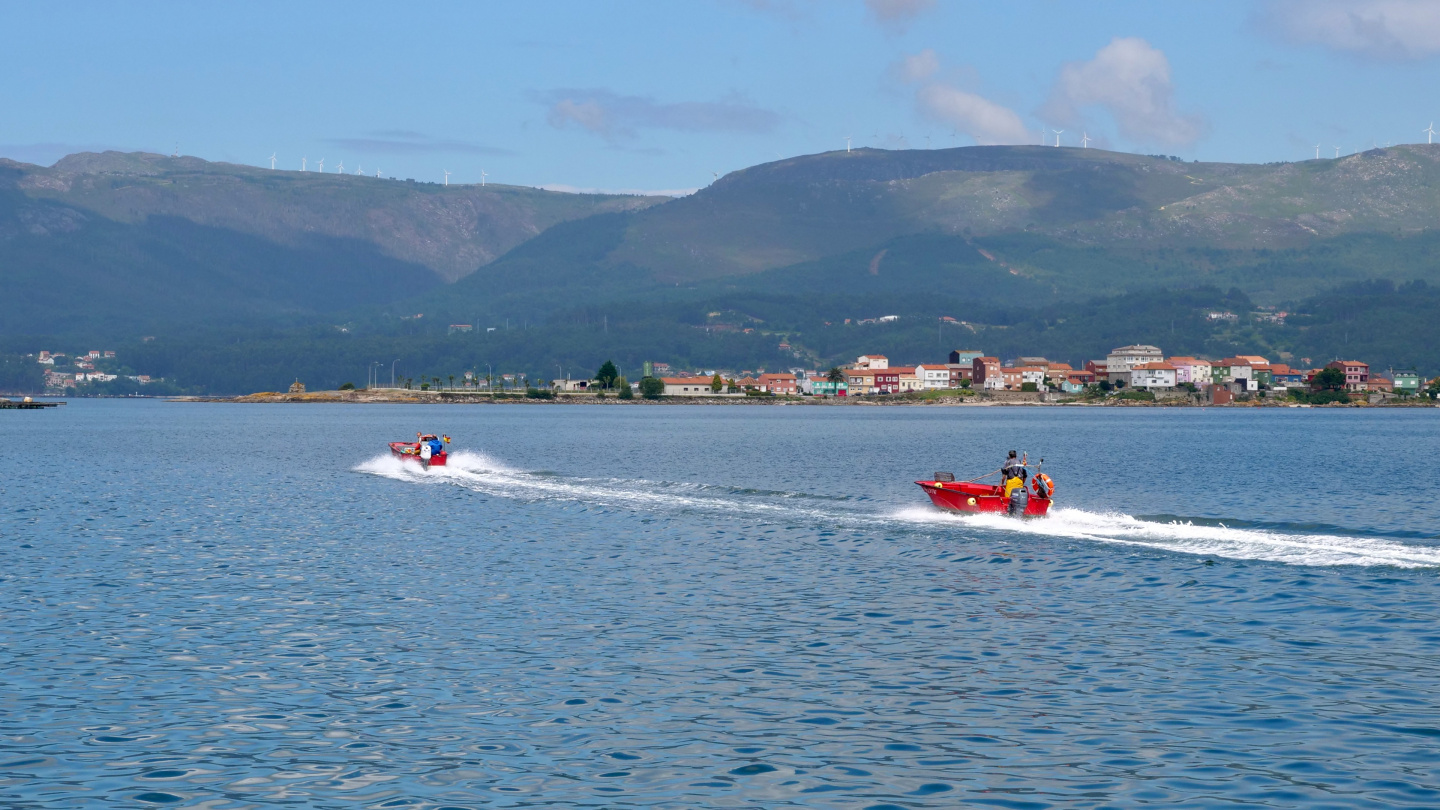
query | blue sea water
[231, 606]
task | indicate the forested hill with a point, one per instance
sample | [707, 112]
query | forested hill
[113, 244]
[806, 208]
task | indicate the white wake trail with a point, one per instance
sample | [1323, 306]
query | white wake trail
[479, 472]
[1189, 538]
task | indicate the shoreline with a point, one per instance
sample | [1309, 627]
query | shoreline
[1008, 399]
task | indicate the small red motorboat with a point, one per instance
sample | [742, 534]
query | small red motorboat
[966, 496]
[415, 451]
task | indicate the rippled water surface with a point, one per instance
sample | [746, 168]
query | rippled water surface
[246, 606]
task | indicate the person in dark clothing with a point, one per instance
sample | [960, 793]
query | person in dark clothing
[1012, 474]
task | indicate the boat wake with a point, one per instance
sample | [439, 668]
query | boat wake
[1188, 537]
[481, 473]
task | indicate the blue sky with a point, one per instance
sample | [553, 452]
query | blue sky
[658, 95]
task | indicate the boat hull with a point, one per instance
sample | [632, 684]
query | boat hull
[977, 498]
[405, 451]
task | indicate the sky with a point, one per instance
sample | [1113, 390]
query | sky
[662, 96]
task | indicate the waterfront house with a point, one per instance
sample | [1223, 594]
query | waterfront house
[821, 387]
[933, 375]
[909, 378]
[1357, 374]
[1097, 367]
[1283, 376]
[887, 381]
[1377, 383]
[1407, 382]
[985, 374]
[872, 361]
[687, 386]
[778, 383]
[1016, 378]
[965, 357]
[1190, 370]
[1152, 375]
[960, 373]
[1119, 362]
[860, 381]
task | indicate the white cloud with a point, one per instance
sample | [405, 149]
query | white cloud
[898, 13]
[979, 117]
[1129, 79]
[1377, 29]
[918, 67]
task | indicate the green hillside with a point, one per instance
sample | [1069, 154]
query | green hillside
[250, 277]
[450, 229]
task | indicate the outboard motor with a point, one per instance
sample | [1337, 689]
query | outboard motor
[1019, 500]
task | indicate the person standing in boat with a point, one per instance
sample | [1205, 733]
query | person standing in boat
[1012, 474]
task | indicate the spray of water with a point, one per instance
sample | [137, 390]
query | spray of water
[481, 473]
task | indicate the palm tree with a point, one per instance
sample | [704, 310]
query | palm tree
[835, 375]
[452, 380]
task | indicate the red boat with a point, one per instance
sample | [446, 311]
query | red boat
[963, 496]
[411, 451]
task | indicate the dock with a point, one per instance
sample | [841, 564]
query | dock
[26, 405]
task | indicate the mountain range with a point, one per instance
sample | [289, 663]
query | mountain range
[115, 245]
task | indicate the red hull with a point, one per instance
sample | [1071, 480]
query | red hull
[405, 451]
[961, 497]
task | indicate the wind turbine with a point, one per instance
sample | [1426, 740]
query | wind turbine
[377, 174]
[1085, 141]
[847, 144]
[272, 161]
[447, 176]
[322, 165]
[483, 175]
[1317, 151]
[341, 168]
[1057, 136]
[1430, 131]
[359, 171]
[1337, 153]
[302, 164]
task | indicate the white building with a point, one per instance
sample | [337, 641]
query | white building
[873, 362]
[689, 387]
[933, 375]
[1125, 358]
[1152, 375]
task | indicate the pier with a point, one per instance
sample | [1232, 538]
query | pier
[26, 404]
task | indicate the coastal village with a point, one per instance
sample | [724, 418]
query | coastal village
[1131, 373]
[1139, 368]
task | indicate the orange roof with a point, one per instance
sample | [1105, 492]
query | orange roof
[705, 381]
[777, 377]
[1185, 360]
[987, 359]
[1153, 367]
[901, 369]
[1060, 367]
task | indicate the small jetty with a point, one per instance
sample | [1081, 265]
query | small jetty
[25, 404]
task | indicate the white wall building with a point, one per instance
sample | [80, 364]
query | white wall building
[1127, 357]
[873, 361]
[1152, 375]
[933, 375]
